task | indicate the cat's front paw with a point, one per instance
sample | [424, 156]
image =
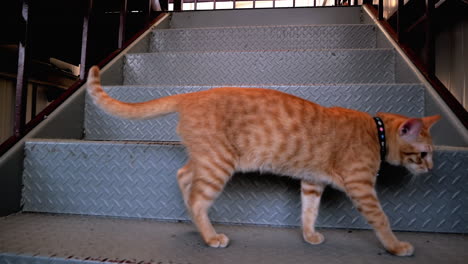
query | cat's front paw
[402, 249]
[313, 238]
[218, 241]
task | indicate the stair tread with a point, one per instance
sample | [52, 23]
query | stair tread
[60, 141]
[267, 26]
[264, 37]
[260, 16]
[260, 51]
[74, 238]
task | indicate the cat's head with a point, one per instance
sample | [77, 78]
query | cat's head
[409, 141]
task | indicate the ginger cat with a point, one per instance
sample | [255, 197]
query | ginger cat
[247, 129]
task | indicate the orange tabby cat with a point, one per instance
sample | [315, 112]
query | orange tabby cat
[247, 129]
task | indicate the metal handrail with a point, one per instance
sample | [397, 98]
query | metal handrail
[21, 128]
[426, 64]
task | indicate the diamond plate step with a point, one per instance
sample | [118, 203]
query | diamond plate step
[405, 99]
[67, 239]
[264, 38]
[267, 17]
[260, 67]
[138, 180]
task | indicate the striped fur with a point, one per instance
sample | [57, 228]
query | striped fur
[248, 129]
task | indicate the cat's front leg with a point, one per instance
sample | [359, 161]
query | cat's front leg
[362, 193]
[310, 199]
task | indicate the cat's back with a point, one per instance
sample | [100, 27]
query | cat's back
[240, 100]
[253, 114]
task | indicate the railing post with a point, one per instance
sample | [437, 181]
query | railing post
[430, 41]
[148, 10]
[122, 23]
[33, 100]
[178, 5]
[400, 17]
[381, 9]
[164, 5]
[23, 69]
[84, 39]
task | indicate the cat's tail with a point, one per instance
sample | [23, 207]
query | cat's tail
[143, 110]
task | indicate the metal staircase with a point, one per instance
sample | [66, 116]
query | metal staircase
[111, 195]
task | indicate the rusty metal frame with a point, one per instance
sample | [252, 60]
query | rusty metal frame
[21, 128]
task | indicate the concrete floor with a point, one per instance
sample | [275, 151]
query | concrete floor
[75, 238]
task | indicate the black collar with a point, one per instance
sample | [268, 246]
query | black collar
[381, 134]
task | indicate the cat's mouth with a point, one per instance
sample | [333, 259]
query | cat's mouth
[417, 170]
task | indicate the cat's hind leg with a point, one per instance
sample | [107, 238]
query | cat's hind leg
[208, 181]
[310, 200]
[184, 179]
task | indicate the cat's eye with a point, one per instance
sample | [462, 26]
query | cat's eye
[423, 154]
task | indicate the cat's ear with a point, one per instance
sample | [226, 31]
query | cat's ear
[410, 129]
[429, 121]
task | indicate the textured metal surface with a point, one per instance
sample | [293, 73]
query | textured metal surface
[265, 67]
[449, 131]
[65, 122]
[29, 259]
[106, 179]
[266, 17]
[264, 38]
[138, 180]
[75, 238]
[405, 99]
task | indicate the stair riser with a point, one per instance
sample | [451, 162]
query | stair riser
[264, 38]
[266, 17]
[253, 68]
[139, 180]
[402, 99]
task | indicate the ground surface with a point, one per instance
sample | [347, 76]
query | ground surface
[149, 241]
